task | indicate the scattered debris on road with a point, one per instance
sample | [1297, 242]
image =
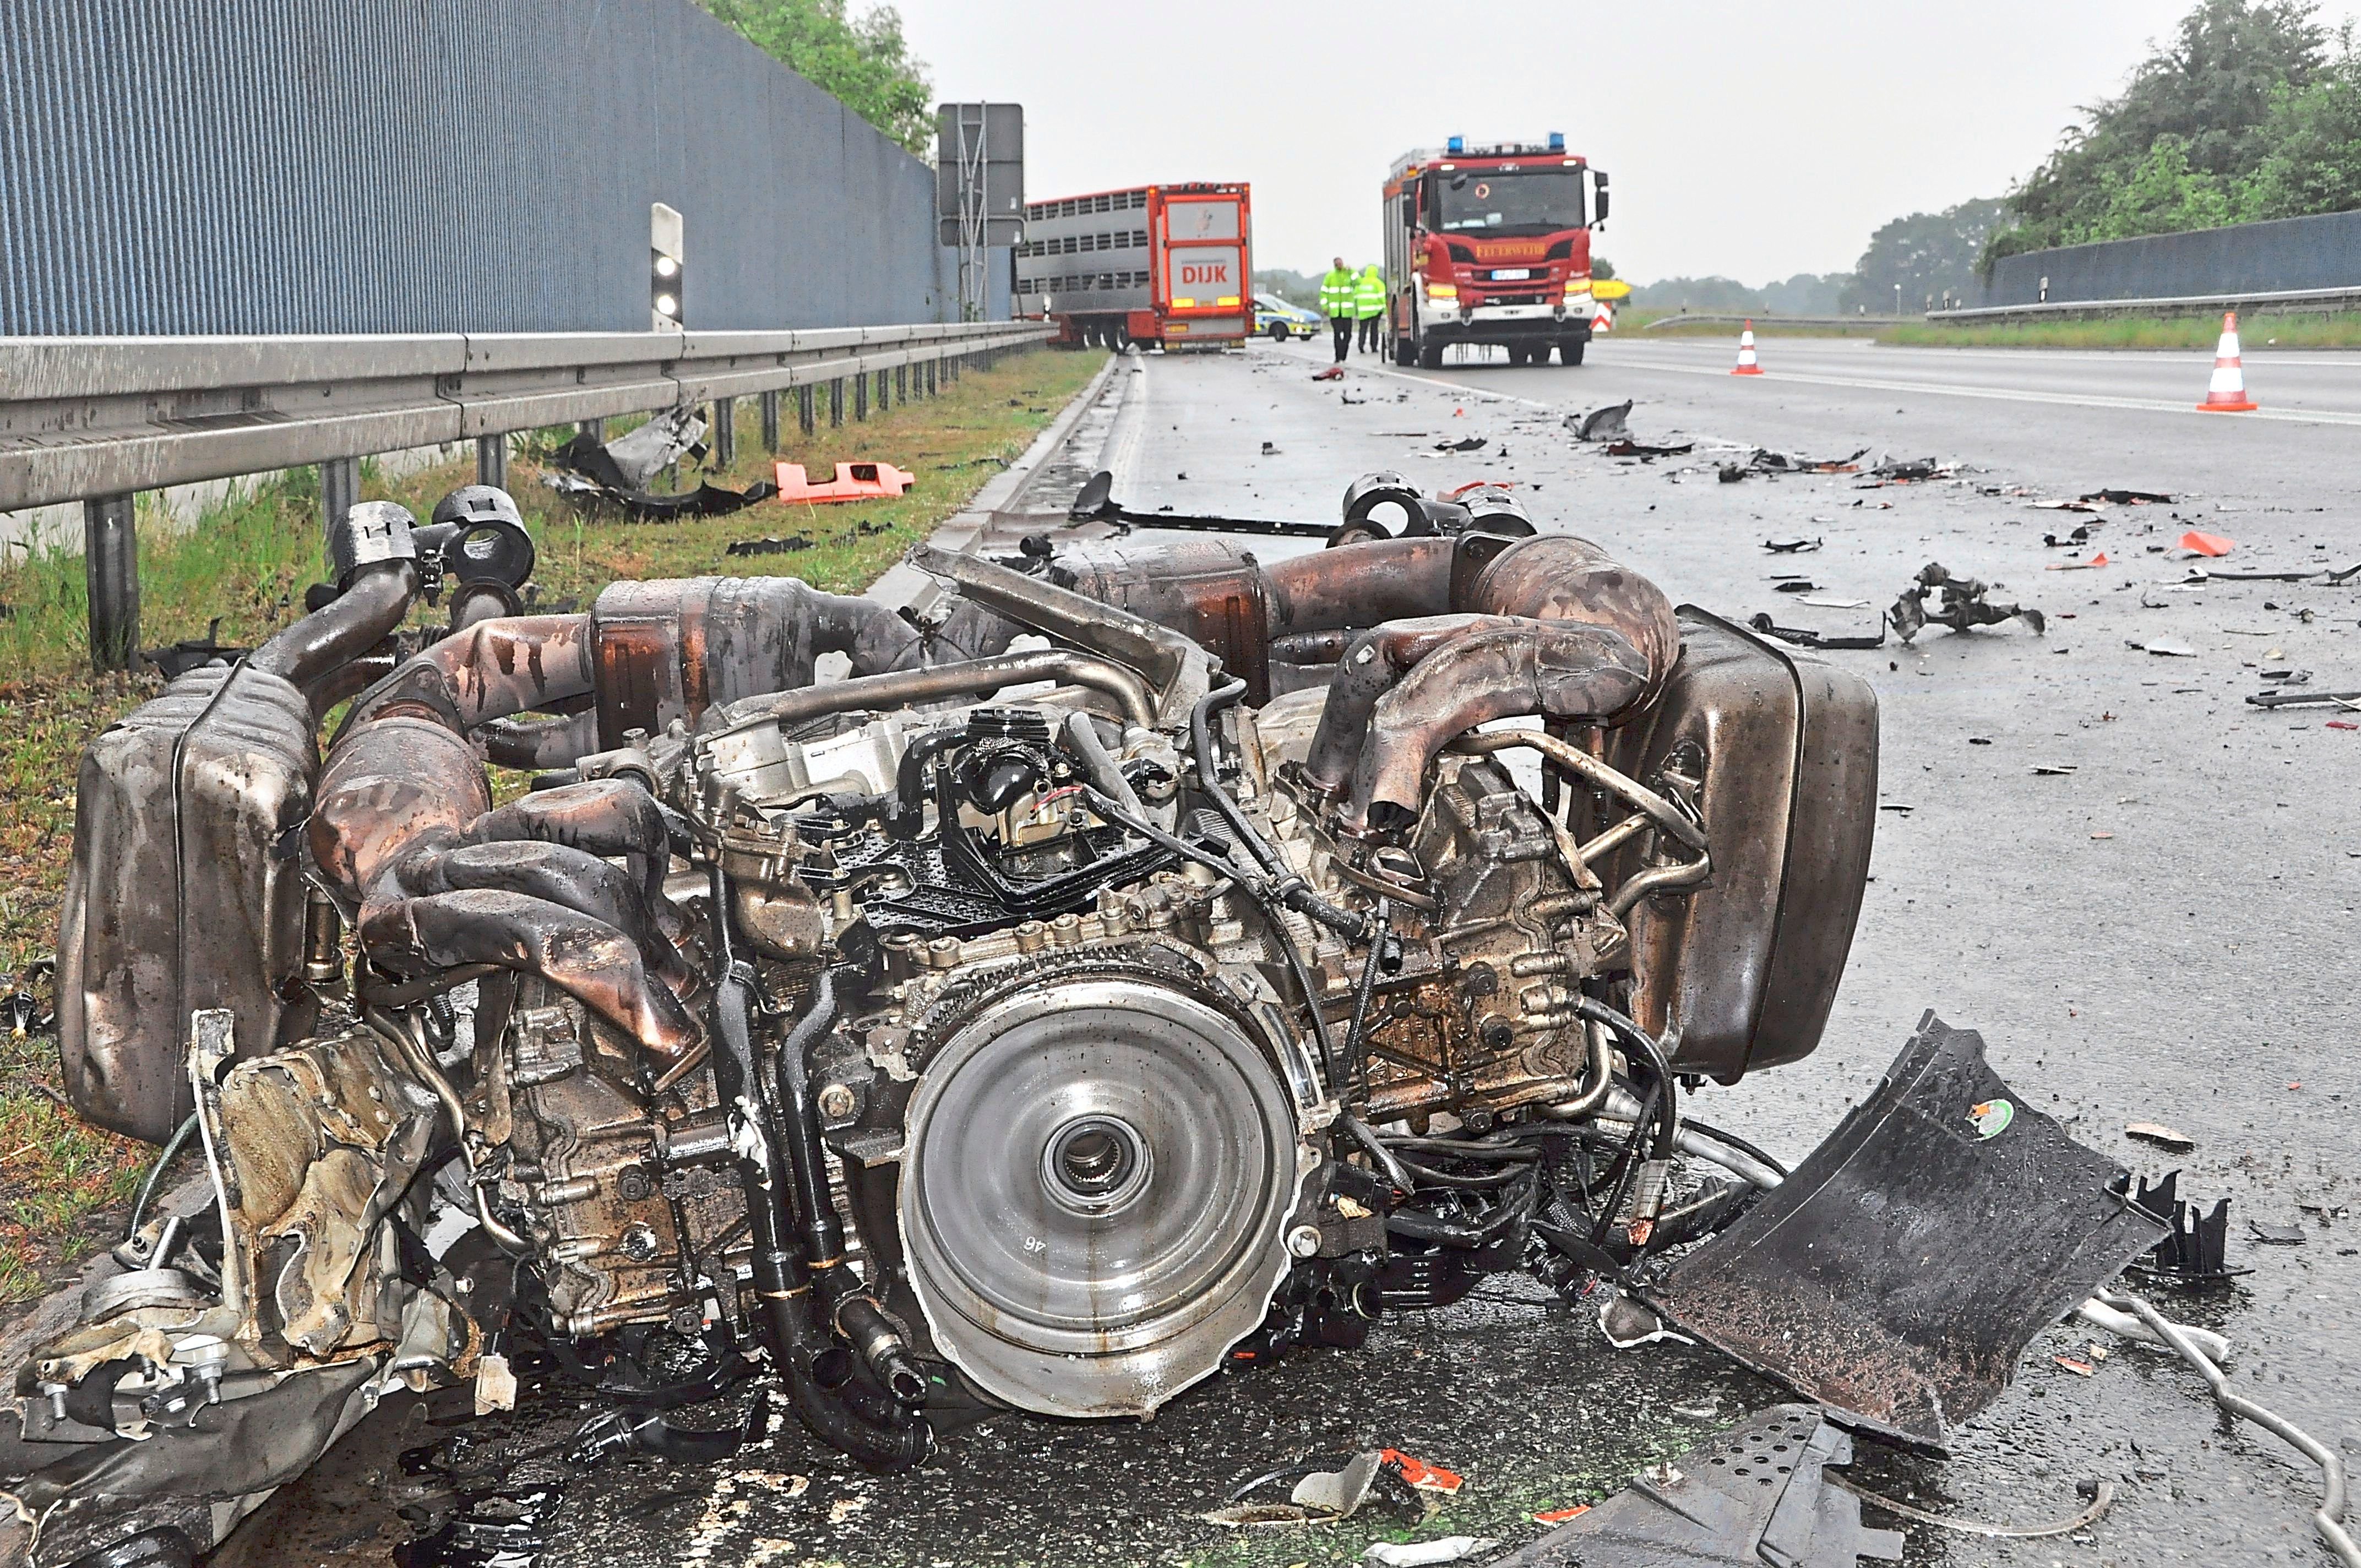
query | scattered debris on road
[1423, 1553]
[1806, 637]
[2161, 649]
[1792, 546]
[2101, 1493]
[2162, 1136]
[2207, 544]
[1465, 443]
[1963, 605]
[2130, 498]
[1756, 1494]
[2195, 1249]
[1333, 373]
[1610, 423]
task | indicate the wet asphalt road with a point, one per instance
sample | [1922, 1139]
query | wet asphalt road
[2163, 934]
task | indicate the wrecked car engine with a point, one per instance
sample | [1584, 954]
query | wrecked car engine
[1151, 961]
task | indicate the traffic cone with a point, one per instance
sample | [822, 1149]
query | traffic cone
[1604, 321]
[2228, 395]
[1747, 364]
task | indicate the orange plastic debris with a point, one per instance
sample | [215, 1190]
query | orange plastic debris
[2098, 560]
[1333, 373]
[853, 482]
[1418, 1473]
[1559, 1516]
[2207, 544]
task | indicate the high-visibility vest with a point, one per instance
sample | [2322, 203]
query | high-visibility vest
[1336, 294]
[1368, 294]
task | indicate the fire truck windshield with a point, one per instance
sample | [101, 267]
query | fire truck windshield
[1527, 201]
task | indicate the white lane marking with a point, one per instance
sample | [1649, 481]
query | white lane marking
[2005, 395]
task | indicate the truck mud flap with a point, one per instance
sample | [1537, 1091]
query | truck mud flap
[1900, 1272]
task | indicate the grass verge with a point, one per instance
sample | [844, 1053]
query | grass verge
[242, 570]
[2293, 330]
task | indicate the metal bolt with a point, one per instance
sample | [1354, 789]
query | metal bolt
[836, 1102]
[1304, 1241]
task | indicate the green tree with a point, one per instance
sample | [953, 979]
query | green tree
[2161, 194]
[2314, 162]
[1929, 254]
[863, 60]
[2216, 85]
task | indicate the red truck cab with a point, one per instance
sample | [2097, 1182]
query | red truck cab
[1491, 245]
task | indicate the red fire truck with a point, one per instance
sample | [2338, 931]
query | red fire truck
[1157, 265]
[1491, 245]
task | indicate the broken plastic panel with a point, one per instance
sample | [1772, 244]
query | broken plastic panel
[1900, 1272]
[1753, 1495]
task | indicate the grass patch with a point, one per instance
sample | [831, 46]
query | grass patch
[1637, 324]
[2311, 329]
[246, 562]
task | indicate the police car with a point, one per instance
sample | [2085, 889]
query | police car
[1278, 320]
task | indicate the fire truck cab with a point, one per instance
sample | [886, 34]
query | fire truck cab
[1491, 245]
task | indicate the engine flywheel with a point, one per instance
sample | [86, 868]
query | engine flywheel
[1095, 1188]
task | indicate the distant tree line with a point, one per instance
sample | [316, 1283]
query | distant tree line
[2251, 111]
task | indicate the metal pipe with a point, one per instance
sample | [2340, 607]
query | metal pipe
[1098, 764]
[110, 560]
[2329, 1517]
[314, 648]
[419, 1061]
[1598, 1077]
[900, 689]
[1659, 811]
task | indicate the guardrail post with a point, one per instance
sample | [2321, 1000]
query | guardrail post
[931, 377]
[861, 396]
[340, 487]
[493, 461]
[771, 422]
[804, 398]
[901, 383]
[725, 431]
[110, 564]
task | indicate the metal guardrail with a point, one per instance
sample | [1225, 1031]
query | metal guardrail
[97, 420]
[1699, 318]
[83, 418]
[2293, 299]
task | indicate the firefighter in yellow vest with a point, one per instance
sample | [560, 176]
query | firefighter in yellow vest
[1369, 305]
[1336, 292]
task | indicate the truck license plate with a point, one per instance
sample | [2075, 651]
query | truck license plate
[1511, 274]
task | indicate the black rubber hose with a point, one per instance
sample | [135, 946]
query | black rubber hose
[781, 1282]
[823, 1232]
[1201, 737]
[1640, 1043]
[873, 1446]
[154, 1177]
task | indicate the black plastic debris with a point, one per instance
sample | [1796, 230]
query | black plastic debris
[649, 506]
[2276, 1235]
[1794, 585]
[1610, 423]
[2195, 1249]
[2080, 535]
[617, 473]
[1962, 606]
[1806, 637]
[2130, 498]
[193, 652]
[1627, 447]
[1914, 471]
[1095, 502]
[21, 1012]
[771, 545]
[1465, 443]
[1792, 546]
[1757, 1494]
[1898, 1274]
[611, 1433]
[2283, 697]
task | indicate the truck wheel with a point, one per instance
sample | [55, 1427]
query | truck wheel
[1569, 352]
[1430, 355]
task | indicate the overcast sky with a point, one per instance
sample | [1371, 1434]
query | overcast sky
[1752, 140]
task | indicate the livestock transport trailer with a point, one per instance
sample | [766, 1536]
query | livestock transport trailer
[1161, 266]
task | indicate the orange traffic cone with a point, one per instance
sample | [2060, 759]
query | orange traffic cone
[1747, 364]
[2228, 395]
[1604, 321]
